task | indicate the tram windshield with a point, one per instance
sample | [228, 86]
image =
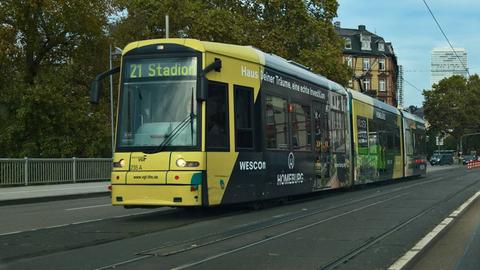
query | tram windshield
[158, 99]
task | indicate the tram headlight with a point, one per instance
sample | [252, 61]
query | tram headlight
[181, 162]
[120, 164]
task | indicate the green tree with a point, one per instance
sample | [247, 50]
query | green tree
[48, 31]
[451, 107]
[298, 30]
[51, 50]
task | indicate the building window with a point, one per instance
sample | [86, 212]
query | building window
[348, 43]
[349, 61]
[381, 85]
[365, 40]
[366, 84]
[381, 46]
[381, 64]
[366, 63]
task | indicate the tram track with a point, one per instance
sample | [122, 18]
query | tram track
[177, 248]
[336, 262]
[124, 228]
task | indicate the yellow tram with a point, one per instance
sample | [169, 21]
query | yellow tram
[203, 124]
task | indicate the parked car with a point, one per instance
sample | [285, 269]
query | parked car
[468, 158]
[441, 159]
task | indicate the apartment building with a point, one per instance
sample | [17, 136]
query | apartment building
[373, 63]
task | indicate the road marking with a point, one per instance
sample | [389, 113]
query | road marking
[15, 232]
[281, 215]
[57, 189]
[420, 245]
[88, 207]
[77, 223]
[124, 262]
[283, 234]
[86, 221]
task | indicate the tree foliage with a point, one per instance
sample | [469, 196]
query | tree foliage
[297, 30]
[51, 50]
[452, 106]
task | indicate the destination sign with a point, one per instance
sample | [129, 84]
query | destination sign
[161, 67]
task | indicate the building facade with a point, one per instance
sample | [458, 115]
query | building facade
[445, 63]
[373, 63]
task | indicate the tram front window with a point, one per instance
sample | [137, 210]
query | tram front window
[158, 109]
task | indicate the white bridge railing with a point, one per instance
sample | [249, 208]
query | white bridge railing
[29, 171]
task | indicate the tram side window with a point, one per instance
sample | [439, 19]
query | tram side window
[337, 130]
[243, 117]
[419, 144]
[362, 135]
[391, 138]
[322, 144]
[276, 123]
[301, 127]
[373, 137]
[408, 142]
[396, 142]
[217, 117]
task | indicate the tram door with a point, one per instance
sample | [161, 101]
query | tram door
[322, 146]
[217, 132]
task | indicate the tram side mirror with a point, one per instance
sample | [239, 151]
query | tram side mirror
[95, 91]
[215, 65]
[96, 87]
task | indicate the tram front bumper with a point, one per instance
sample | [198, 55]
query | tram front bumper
[157, 195]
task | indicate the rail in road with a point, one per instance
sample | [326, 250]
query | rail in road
[371, 226]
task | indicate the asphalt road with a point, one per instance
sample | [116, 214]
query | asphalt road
[36, 216]
[365, 228]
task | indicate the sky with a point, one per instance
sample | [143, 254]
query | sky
[414, 33]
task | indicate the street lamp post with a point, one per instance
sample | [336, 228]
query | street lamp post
[116, 51]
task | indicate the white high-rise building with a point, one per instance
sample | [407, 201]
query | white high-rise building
[400, 87]
[445, 63]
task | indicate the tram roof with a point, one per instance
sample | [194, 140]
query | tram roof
[288, 67]
[413, 117]
[374, 102]
[247, 53]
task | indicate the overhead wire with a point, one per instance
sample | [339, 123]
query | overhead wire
[445, 35]
[412, 85]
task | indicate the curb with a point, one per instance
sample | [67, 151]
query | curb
[420, 247]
